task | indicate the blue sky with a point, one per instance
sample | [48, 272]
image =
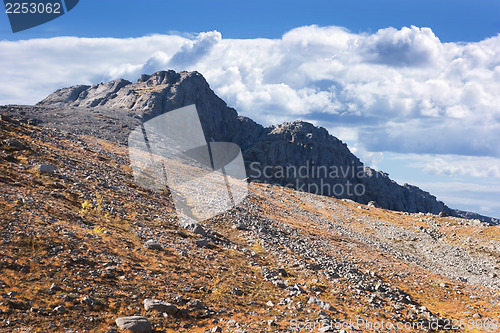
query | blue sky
[412, 87]
[451, 20]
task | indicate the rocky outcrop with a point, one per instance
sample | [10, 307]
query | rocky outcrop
[294, 154]
[390, 195]
[156, 94]
[474, 216]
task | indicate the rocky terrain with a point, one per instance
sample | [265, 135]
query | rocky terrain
[111, 110]
[83, 249]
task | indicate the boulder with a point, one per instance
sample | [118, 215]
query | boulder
[160, 306]
[196, 304]
[152, 245]
[195, 228]
[46, 168]
[202, 243]
[134, 324]
[322, 304]
[14, 144]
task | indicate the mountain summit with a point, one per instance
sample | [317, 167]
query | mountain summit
[85, 248]
[293, 154]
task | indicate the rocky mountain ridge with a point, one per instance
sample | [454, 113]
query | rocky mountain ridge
[272, 154]
[85, 249]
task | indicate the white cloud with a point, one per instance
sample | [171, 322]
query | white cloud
[396, 90]
[466, 195]
[406, 47]
[192, 52]
[371, 159]
[457, 166]
[486, 167]
[464, 182]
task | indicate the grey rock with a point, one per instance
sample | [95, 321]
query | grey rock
[55, 287]
[4, 117]
[232, 323]
[134, 324]
[89, 300]
[237, 292]
[240, 226]
[295, 290]
[180, 300]
[196, 304]
[470, 215]
[160, 306]
[327, 328]
[195, 228]
[46, 168]
[14, 144]
[57, 194]
[279, 283]
[59, 309]
[282, 272]
[202, 243]
[152, 245]
[322, 304]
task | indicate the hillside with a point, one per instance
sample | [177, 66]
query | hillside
[83, 245]
[111, 110]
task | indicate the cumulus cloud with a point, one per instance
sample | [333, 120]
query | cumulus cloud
[371, 159]
[193, 51]
[406, 47]
[395, 90]
[486, 167]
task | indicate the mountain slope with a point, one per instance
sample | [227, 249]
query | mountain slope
[272, 150]
[82, 245]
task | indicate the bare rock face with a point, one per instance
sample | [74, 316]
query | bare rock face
[296, 154]
[305, 157]
[156, 94]
[86, 96]
[390, 195]
[64, 97]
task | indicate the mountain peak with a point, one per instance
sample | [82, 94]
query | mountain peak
[170, 77]
[302, 130]
[293, 144]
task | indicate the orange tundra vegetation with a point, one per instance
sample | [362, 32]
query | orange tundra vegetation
[83, 245]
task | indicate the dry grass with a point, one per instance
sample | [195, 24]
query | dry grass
[54, 231]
